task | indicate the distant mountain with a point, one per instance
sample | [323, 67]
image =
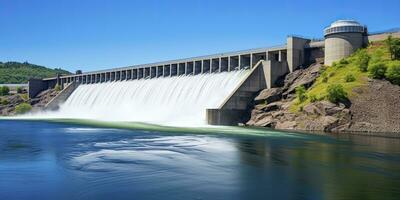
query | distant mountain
[16, 72]
[392, 30]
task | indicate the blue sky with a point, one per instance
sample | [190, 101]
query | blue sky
[99, 34]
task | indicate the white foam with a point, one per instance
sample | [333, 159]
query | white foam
[177, 101]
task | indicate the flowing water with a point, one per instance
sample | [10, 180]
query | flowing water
[43, 160]
[177, 101]
[102, 152]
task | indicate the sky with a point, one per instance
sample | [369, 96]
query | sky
[100, 34]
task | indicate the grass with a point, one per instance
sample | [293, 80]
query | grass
[339, 72]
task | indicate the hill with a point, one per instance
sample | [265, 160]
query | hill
[16, 72]
[356, 94]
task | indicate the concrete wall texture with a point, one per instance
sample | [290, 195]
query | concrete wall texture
[338, 46]
[62, 96]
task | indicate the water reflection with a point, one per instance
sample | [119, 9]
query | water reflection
[352, 167]
[56, 161]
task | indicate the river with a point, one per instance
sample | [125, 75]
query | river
[50, 160]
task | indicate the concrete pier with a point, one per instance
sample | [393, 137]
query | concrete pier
[233, 110]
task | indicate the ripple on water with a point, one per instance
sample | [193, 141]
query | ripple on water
[152, 153]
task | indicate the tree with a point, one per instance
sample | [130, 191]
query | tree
[336, 93]
[20, 90]
[4, 90]
[363, 60]
[394, 47]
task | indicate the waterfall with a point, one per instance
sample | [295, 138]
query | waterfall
[177, 101]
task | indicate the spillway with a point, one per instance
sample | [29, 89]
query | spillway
[176, 101]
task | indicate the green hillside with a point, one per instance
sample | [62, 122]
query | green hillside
[15, 72]
[380, 60]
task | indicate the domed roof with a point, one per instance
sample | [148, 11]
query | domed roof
[344, 26]
[345, 23]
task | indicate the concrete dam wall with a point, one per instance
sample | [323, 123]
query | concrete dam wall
[258, 68]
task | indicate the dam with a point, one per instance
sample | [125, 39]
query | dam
[216, 87]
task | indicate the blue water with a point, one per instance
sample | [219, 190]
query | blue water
[42, 160]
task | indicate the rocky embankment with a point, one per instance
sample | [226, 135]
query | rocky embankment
[10, 102]
[375, 107]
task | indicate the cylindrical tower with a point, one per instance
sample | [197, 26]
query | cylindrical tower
[342, 38]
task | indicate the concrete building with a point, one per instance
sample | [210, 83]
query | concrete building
[267, 65]
[342, 38]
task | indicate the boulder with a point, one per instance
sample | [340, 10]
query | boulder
[260, 119]
[303, 77]
[266, 121]
[14, 99]
[327, 107]
[286, 125]
[328, 122]
[269, 95]
[311, 109]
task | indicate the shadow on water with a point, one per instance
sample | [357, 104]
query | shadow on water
[96, 160]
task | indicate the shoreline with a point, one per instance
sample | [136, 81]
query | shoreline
[228, 130]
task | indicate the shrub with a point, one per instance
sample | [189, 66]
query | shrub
[25, 96]
[301, 93]
[322, 69]
[312, 98]
[393, 45]
[349, 78]
[377, 70]
[23, 108]
[363, 60]
[336, 93]
[324, 79]
[343, 62]
[57, 88]
[20, 90]
[4, 90]
[4, 102]
[393, 73]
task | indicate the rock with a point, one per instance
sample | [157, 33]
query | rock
[311, 109]
[260, 107]
[265, 121]
[261, 119]
[327, 108]
[269, 95]
[328, 122]
[273, 106]
[286, 125]
[277, 114]
[14, 99]
[291, 77]
[341, 128]
[303, 77]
